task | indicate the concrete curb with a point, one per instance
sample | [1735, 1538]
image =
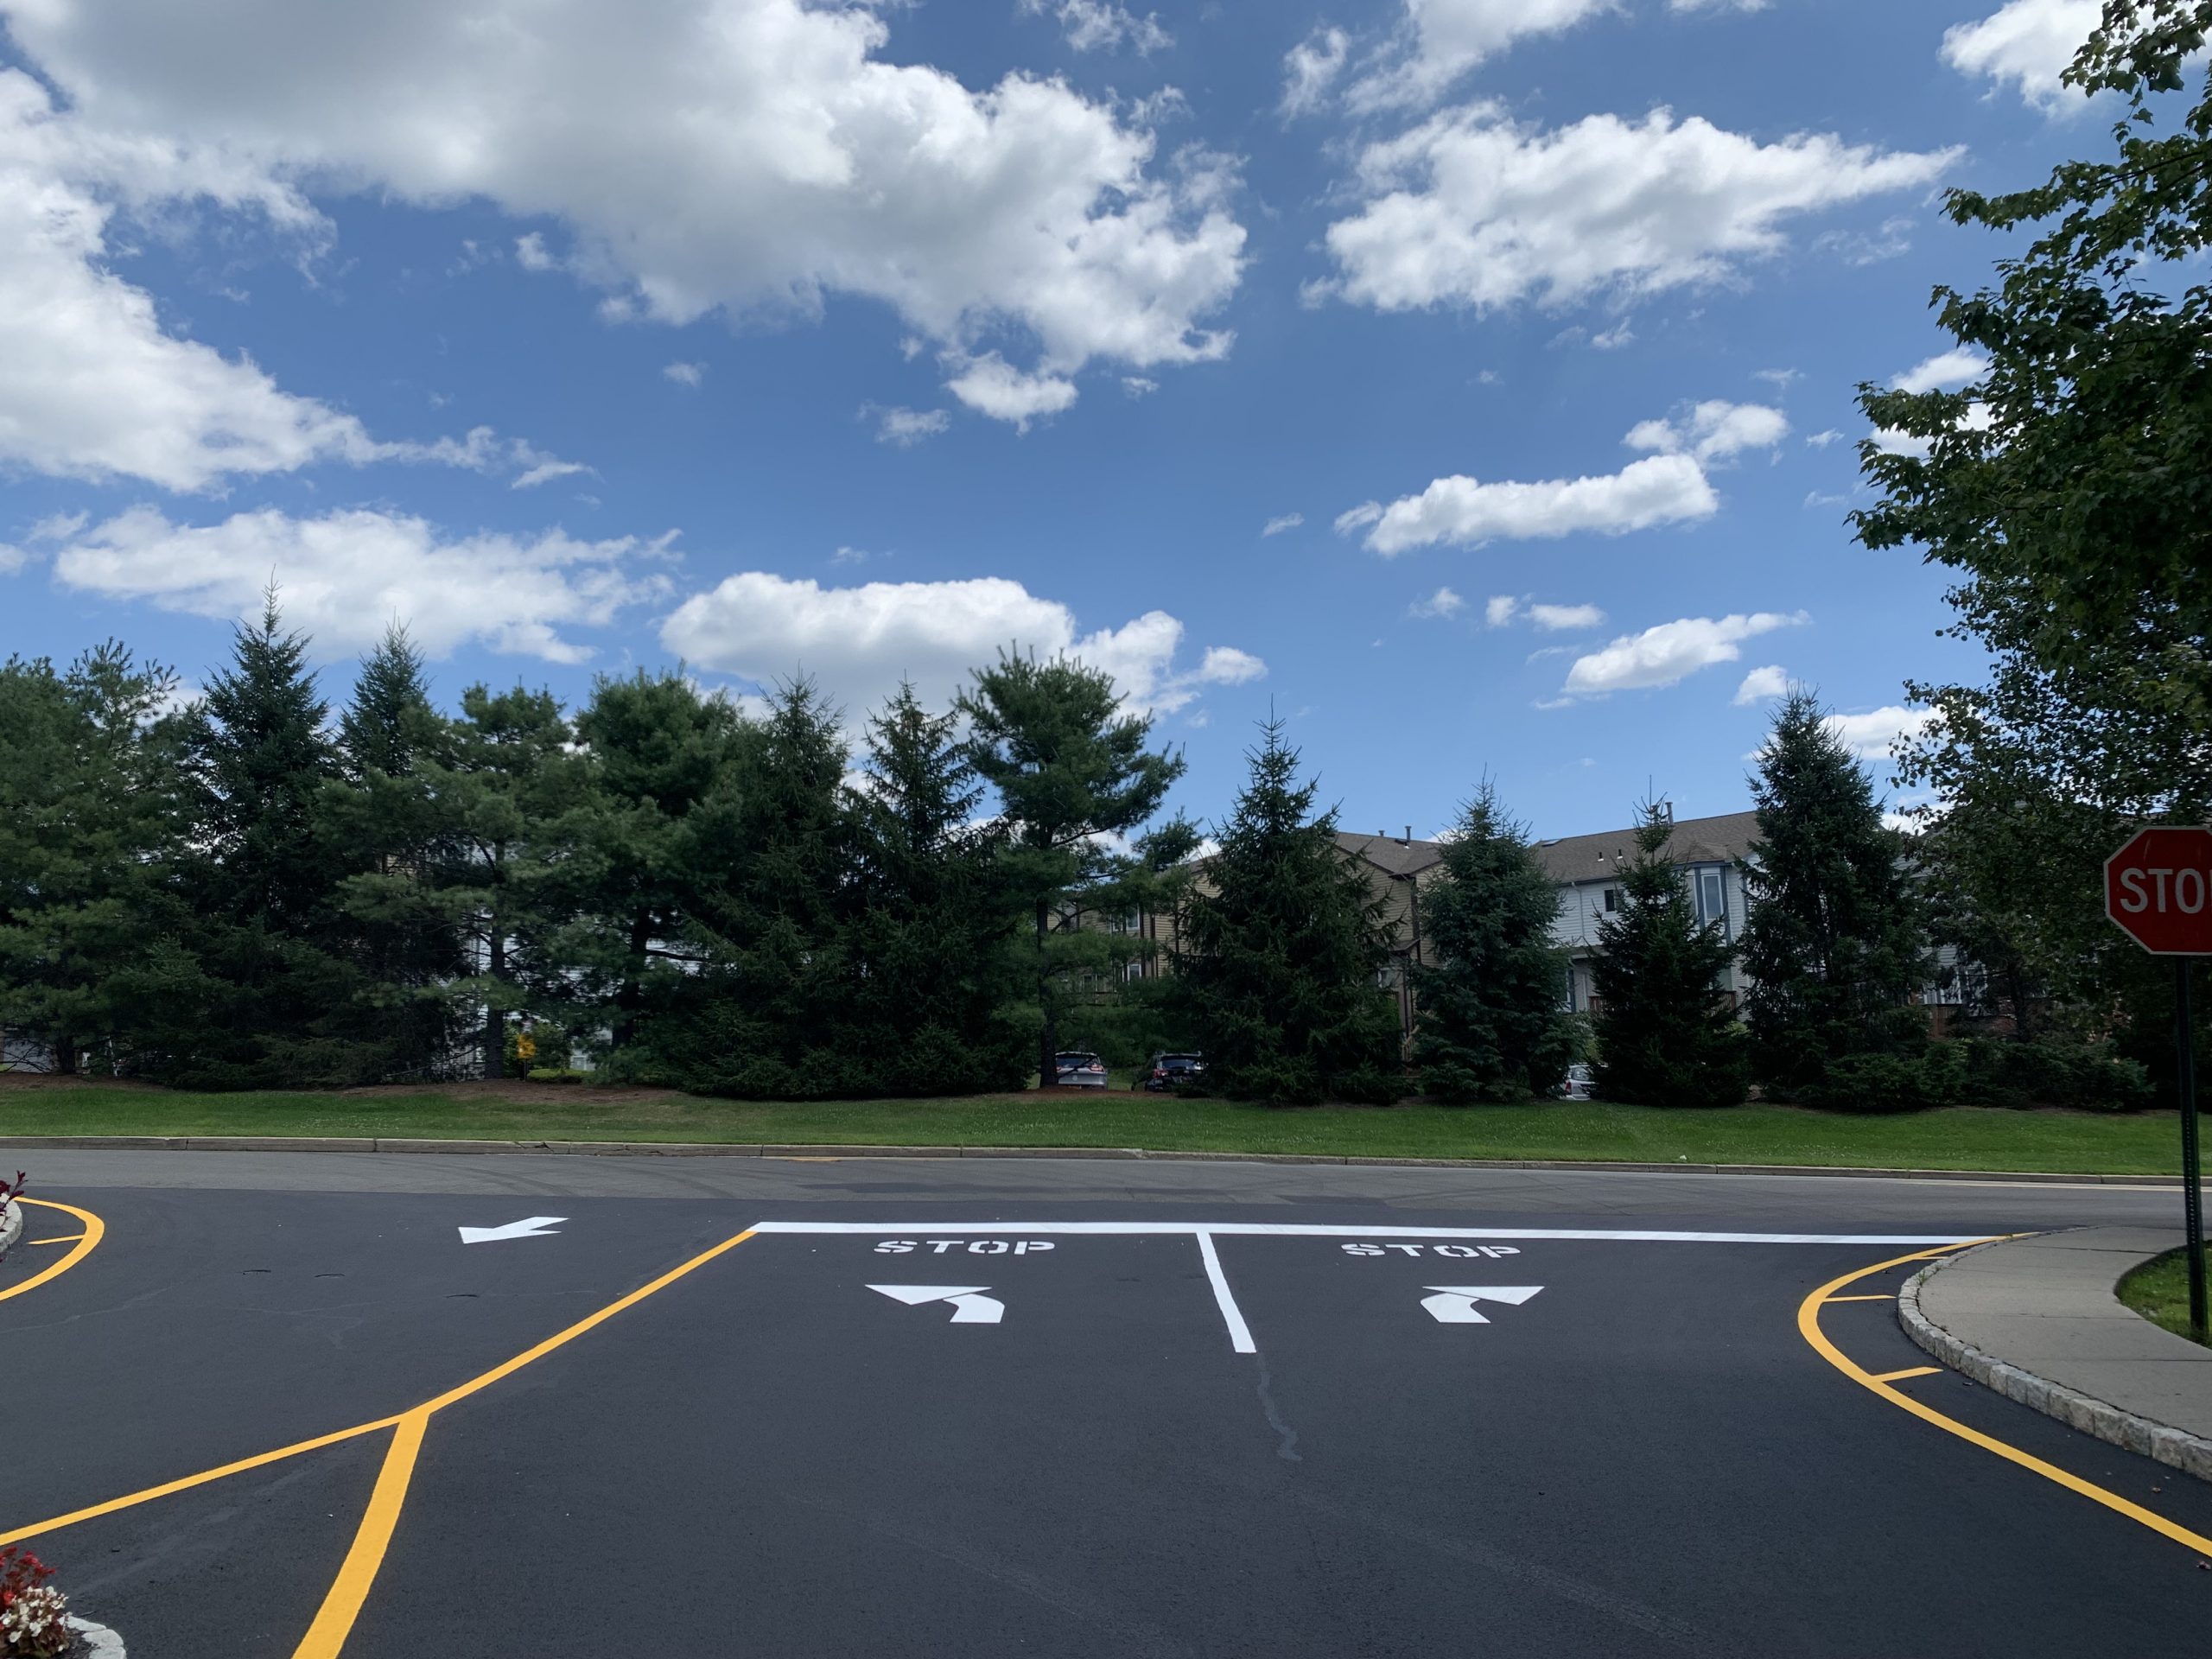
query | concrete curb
[11, 1226]
[755, 1149]
[2176, 1448]
[100, 1643]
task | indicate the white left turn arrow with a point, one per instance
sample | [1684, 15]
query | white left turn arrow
[528, 1227]
[1455, 1304]
[969, 1305]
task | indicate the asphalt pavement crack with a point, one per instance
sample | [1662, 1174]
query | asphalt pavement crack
[1287, 1449]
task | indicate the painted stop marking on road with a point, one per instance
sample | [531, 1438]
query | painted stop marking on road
[2158, 889]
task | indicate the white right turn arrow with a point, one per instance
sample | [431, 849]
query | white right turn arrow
[1455, 1304]
[969, 1305]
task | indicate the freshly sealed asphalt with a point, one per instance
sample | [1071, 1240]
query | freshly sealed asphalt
[1634, 1452]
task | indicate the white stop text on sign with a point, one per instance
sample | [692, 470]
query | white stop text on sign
[1460, 1252]
[972, 1246]
[2146, 890]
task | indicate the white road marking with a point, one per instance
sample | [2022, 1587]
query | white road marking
[1455, 1304]
[1239, 1334]
[969, 1305]
[1293, 1229]
[529, 1227]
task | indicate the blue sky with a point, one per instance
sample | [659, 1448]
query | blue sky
[1469, 381]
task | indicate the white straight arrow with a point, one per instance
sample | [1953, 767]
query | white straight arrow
[969, 1305]
[528, 1227]
[1455, 1304]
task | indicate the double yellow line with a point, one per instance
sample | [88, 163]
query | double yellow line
[334, 1620]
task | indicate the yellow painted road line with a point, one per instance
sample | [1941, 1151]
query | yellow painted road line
[130, 1500]
[1809, 1326]
[87, 1242]
[333, 1622]
[343, 1606]
[1909, 1370]
[1883, 1297]
[588, 1322]
[62, 1238]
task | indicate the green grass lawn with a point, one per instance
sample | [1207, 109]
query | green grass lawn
[1956, 1139]
[2158, 1290]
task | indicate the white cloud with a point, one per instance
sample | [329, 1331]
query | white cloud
[1945, 370]
[1472, 208]
[1712, 430]
[1560, 619]
[1716, 5]
[1443, 603]
[685, 374]
[1281, 522]
[1668, 653]
[1781, 380]
[538, 468]
[991, 386]
[530, 253]
[1762, 684]
[740, 155]
[345, 575]
[1657, 490]
[1614, 338]
[904, 427]
[1311, 67]
[1441, 40]
[58, 526]
[94, 387]
[12, 559]
[849, 556]
[1138, 385]
[1822, 440]
[1090, 24]
[1892, 441]
[1500, 610]
[860, 642]
[1875, 734]
[1891, 239]
[2028, 43]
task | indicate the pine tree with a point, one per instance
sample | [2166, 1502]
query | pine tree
[1665, 1037]
[1282, 944]
[662, 760]
[1493, 1024]
[392, 833]
[1070, 770]
[91, 819]
[1833, 943]
[930, 972]
[509, 779]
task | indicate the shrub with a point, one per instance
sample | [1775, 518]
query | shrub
[1869, 1084]
[33, 1615]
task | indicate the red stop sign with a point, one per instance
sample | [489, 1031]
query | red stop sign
[2158, 888]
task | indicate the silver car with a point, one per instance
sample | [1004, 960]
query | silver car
[1078, 1068]
[1581, 1082]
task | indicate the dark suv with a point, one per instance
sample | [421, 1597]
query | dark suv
[1166, 1071]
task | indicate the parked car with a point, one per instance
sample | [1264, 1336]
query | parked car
[1581, 1082]
[1164, 1071]
[1078, 1068]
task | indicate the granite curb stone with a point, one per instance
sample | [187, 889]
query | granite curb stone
[2175, 1447]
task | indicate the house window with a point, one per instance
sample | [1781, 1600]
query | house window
[1711, 899]
[1612, 900]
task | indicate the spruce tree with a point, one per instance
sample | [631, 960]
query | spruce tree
[1282, 944]
[1493, 1023]
[1832, 943]
[264, 882]
[1665, 1037]
[1071, 770]
[392, 833]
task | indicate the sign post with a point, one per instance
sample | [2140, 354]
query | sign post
[2158, 891]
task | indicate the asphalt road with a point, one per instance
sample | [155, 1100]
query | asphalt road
[1095, 1409]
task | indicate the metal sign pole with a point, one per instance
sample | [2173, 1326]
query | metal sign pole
[2191, 1170]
